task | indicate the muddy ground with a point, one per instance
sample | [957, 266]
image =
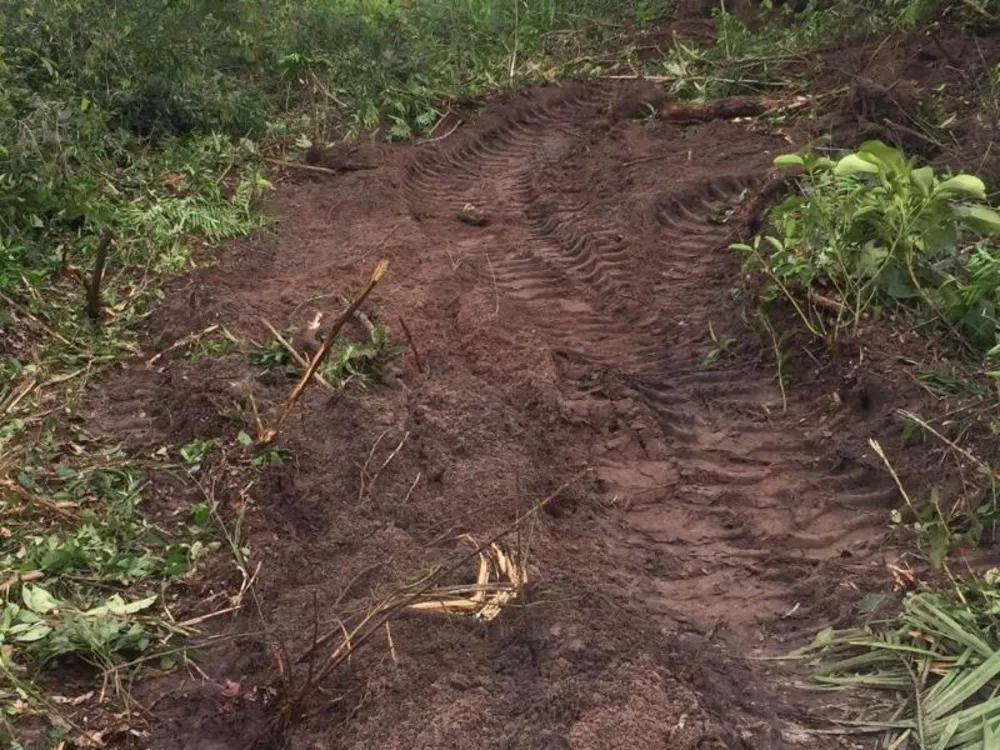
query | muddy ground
[563, 342]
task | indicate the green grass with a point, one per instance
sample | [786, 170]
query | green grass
[148, 122]
[934, 670]
[859, 238]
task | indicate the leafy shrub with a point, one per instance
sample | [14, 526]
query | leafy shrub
[873, 229]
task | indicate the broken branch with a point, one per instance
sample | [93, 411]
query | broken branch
[94, 285]
[269, 434]
[302, 361]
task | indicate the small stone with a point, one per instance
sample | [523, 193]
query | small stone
[472, 216]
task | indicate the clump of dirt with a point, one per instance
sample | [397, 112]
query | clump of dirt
[572, 339]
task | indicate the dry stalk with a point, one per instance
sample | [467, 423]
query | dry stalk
[93, 287]
[270, 433]
[191, 337]
[383, 612]
[336, 658]
[302, 361]
[17, 395]
[412, 344]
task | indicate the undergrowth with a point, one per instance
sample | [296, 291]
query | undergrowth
[140, 128]
[135, 133]
[770, 56]
[871, 231]
[861, 238]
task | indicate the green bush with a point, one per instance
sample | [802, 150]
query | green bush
[92, 93]
[873, 229]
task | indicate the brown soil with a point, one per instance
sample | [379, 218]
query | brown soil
[565, 333]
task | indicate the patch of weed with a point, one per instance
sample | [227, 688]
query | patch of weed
[362, 363]
[872, 229]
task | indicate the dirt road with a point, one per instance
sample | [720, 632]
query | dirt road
[581, 328]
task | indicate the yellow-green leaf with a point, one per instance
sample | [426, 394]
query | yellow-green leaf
[853, 164]
[963, 183]
[788, 160]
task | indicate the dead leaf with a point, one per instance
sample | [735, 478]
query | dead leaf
[72, 701]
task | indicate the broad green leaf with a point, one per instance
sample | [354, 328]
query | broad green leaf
[33, 633]
[897, 285]
[774, 242]
[869, 603]
[923, 178]
[891, 157]
[871, 258]
[115, 605]
[789, 160]
[940, 237]
[939, 542]
[982, 219]
[852, 164]
[38, 599]
[963, 183]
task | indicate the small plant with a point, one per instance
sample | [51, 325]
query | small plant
[721, 348]
[102, 634]
[269, 456]
[194, 452]
[871, 230]
[270, 354]
[362, 363]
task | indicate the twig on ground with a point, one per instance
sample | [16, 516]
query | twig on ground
[412, 344]
[26, 577]
[362, 318]
[55, 334]
[915, 133]
[979, 10]
[181, 342]
[382, 241]
[93, 287]
[326, 92]
[17, 395]
[412, 487]
[302, 361]
[640, 77]
[392, 646]
[453, 128]
[922, 423]
[270, 433]
[496, 291]
[368, 462]
[366, 487]
[317, 170]
[43, 503]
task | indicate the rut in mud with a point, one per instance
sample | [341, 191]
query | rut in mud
[568, 332]
[622, 283]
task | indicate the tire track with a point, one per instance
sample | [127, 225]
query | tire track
[631, 293]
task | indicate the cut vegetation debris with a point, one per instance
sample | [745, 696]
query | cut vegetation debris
[935, 669]
[559, 276]
[499, 583]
